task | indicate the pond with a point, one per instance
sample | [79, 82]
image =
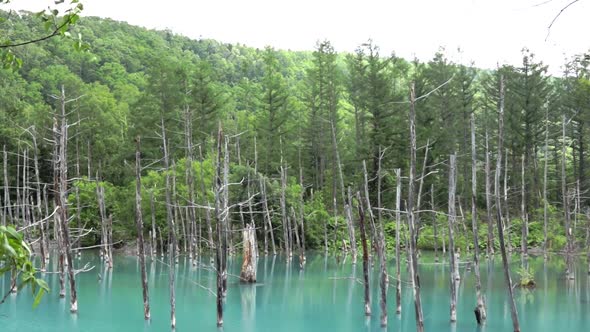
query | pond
[322, 297]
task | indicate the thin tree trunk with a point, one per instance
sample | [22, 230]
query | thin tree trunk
[480, 308]
[226, 213]
[411, 216]
[177, 215]
[420, 186]
[578, 208]
[139, 224]
[7, 208]
[565, 197]
[16, 209]
[153, 214]
[452, 216]
[25, 195]
[190, 181]
[365, 256]
[525, 223]
[43, 248]
[434, 223]
[490, 246]
[284, 216]
[47, 232]
[374, 237]
[89, 159]
[398, 286]
[103, 220]
[78, 243]
[509, 288]
[63, 212]
[56, 220]
[587, 242]
[171, 231]
[267, 214]
[507, 206]
[294, 229]
[347, 203]
[206, 202]
[221, 215]
[302, 258]
[110, 240]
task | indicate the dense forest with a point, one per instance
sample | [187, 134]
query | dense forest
[301, 133]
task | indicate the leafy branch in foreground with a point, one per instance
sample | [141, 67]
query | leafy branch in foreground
[53, 25]
[15, 258]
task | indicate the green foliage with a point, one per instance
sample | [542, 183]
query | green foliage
[316, 215]
[89, 211]
[15, 258]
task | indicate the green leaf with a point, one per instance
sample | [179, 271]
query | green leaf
[6, 246]
[14, 233]
[38, 297]
[41, 283]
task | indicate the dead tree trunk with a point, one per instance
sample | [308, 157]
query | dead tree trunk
[411, 216]
[523, 210]
[57, 229]
[267, 214]
[154, 239]
[302, 258]
[25, 195]
[587, 239]
[226, 213]
[480, 308]
[110, 239]
[513, 310]
[248, 272]
[206, 202]
[105, 250]
[221, 214]
[365, 256]
[452, 216]
[251, 213]
[16, 209]
[434, 223]
[398, 282]
[374, 237]
[42, 245]
[347, 203]
[284, 217]
[171, 231]
[490, 246]
[420, 186]
[178, 219]
[564, 193]
[139, 224]
[384, 278]
[190, 180]
[7, 209]
[577, 211]
[63, 212]
[506, 205]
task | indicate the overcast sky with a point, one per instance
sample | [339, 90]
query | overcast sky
[488, 31]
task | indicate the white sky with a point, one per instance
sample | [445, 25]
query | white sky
[488, 31]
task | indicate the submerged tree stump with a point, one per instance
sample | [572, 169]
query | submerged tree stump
[248, 273]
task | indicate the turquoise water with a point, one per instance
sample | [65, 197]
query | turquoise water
[287, 299]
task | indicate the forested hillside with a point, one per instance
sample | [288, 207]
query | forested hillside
[299, 126]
